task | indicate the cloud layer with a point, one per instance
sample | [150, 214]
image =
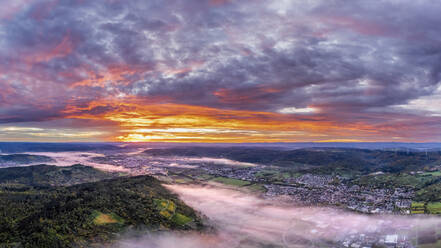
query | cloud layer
[252, 70]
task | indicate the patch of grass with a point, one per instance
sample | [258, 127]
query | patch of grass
[161, 204]
[434, 207]
[166, 208]
[231, 181]
[256, 188]
[417, 204]
[273, 175]
[183, 180]
[166, 214]
[204, 177]
[171, 206]
[100, 218]
[181, 219]
[417, 208]
[393, 180]
[434, 174]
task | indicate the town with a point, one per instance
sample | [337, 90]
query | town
[307, 189]
[303, 189]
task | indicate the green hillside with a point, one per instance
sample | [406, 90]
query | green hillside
[36, 214]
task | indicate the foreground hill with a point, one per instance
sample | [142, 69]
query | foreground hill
[33, 213]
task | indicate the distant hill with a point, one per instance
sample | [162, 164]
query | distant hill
[328, 159]
[35, 214]
[23, 159]
[49, 175]
[20, 147]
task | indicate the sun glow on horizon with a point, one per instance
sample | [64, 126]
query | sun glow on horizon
[139, 122]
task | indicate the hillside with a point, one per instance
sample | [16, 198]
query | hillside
[36, 214]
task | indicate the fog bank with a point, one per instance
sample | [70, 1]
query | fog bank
[71, 158]
[245, 220]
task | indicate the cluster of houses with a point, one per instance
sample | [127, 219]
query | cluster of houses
[314, 189]
[376, 240]
[360, 199]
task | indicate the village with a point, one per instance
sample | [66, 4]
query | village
[306, 189]
[310, 189]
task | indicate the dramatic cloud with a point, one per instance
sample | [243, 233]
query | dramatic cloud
[251, 70]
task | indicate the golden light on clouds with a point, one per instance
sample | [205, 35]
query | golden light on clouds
[186, 123]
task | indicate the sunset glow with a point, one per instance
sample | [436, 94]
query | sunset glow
[219, 71]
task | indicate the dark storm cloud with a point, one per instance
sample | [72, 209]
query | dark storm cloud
[353, 60]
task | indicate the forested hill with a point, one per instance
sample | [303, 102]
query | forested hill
[363, 160]
[36, 214]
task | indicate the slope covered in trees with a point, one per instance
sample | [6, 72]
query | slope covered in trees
[36, 214]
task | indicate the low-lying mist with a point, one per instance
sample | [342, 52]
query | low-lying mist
[71, 158]
[242, 219]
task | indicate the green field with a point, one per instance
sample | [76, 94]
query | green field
[418, 208]
[256, 188]
[100, 218]
[276, 175]
[393, 180]
[434, 173]
[183, 180]
[204, 177]
[434, 207]
[181, 219]
[167, 209]
[428, 208]
[231, 181]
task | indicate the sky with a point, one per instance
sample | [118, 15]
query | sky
[220, 70]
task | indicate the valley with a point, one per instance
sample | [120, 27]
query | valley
[222, 198]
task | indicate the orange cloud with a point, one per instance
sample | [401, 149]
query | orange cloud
[186, 123]
[115, 74]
